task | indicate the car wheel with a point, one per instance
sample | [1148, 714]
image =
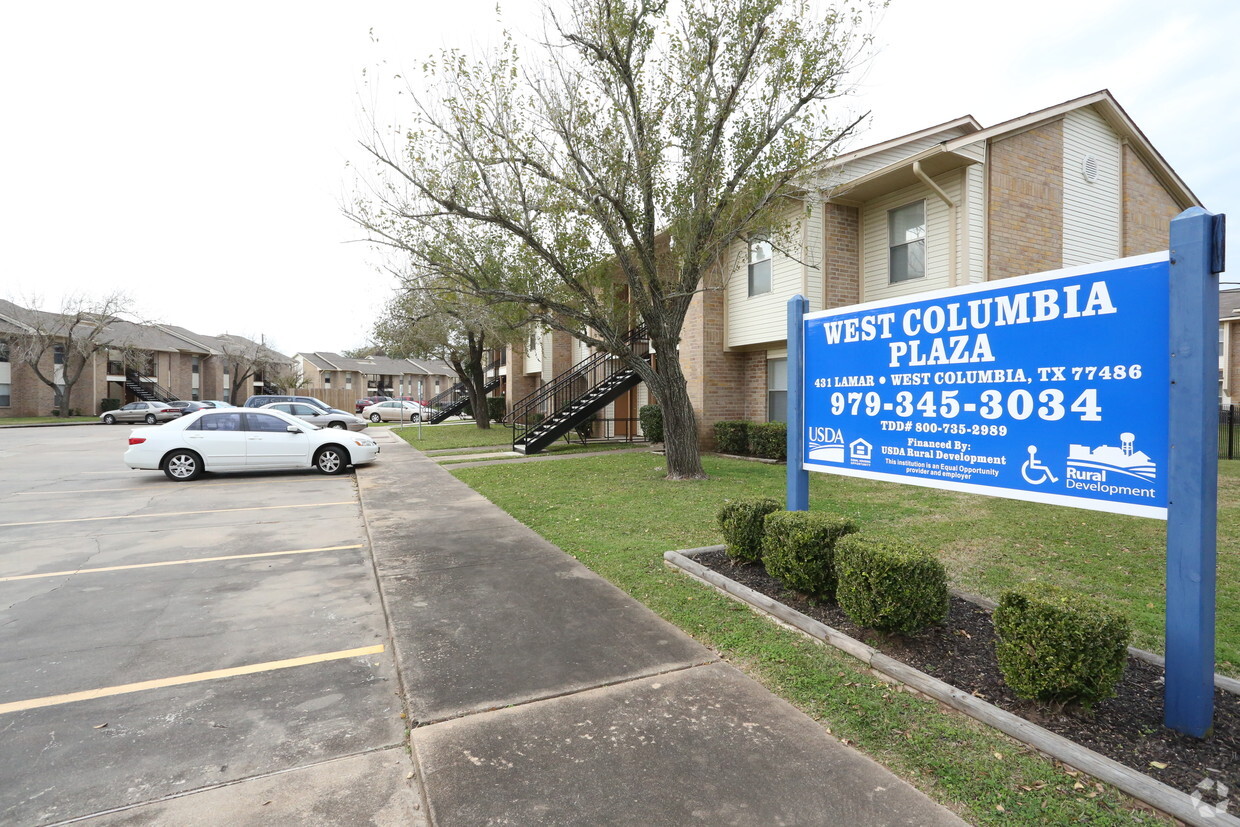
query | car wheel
[416, 418]
[339, 425]
[374, 417]
[331, 459]
[183, 466]
[150, 419]
[109, 420]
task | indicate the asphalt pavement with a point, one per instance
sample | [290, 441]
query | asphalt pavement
[540, 694]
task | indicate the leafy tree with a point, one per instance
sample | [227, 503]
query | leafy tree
[431, 318]
[616, 170]
[57, 346]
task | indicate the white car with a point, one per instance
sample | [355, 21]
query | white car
[244, 439]
[330, 418]
[394, 410]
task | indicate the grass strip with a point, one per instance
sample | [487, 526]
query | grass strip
[454, 435]
[617, 515]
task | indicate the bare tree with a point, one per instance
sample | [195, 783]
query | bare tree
[618, 169]
[246, 359]
[431, 318]
[57, 346]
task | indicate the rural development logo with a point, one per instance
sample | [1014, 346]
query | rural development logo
[1095, 464]
[826, 444]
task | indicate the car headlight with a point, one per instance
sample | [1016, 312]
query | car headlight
[364, 442]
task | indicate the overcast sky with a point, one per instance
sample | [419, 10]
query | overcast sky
[195, 155]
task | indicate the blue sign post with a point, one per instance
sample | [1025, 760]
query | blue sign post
[1196, 260]
[1057, 388]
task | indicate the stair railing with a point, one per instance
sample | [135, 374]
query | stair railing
[572, 384]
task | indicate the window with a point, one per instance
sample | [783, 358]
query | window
[218, 422]
[348, 381]
[327, 378]
[759, 266]
[5, 398]
[907, 239]
[195, 364]
[777, 390]
[4, 350]
[58, 354]
[265, 422]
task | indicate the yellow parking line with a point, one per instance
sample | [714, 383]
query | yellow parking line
[173, 563]
[176, 513]
[148, 487]
[181, 680]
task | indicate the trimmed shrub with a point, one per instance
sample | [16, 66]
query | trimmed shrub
[799, 549]
[106, 405]
[1059, 646]
[651, 418]
[892, 586]
[741, 523]
[769, 440]
[732, 436]
[496, 408]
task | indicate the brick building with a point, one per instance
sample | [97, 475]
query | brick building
[950, 205]
[139, 361]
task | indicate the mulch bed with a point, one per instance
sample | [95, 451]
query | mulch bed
[1127, 728]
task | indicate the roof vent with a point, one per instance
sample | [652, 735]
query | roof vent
[1089, 168]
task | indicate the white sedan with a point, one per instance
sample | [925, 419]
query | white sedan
[244, 439]
[394, 411]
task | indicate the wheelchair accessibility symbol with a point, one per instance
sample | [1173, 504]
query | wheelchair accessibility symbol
[1034, 472]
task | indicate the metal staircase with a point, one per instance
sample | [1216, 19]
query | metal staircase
[456, 398]
[570, 402]
[147, 391]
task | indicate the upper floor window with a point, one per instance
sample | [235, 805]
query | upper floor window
[759, 266]
[195, 364]
[58, 354]
[4, 351]
[327, 378]
[907, 241]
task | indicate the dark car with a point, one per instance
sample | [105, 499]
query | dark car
[362, 404]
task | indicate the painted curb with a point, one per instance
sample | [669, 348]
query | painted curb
[1158, 795]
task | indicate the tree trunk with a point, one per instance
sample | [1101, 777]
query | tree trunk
[680, 437]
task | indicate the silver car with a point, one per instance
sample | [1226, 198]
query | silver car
[330, 418]
[148, 412]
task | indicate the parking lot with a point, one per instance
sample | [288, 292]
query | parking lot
[187, 643]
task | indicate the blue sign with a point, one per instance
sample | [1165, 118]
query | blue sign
[1052, 388]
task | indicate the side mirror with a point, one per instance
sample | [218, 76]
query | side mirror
[293, 429]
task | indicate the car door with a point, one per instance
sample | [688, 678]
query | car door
[219, 440]
[133, 412]
[312, 415]
[270, 444]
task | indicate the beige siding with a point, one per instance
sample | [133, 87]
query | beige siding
[1091, 211]
[757, 319]
[875, 278]
[973, 214]
[870, 163]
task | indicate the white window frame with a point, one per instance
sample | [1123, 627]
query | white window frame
[906, 244]
[761, 244]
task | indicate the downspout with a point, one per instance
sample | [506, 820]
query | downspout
[951, 207]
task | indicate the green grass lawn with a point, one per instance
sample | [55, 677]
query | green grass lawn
[454, 435]
[618, 515]
[41, 420]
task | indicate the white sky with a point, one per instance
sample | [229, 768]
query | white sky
[195, 156]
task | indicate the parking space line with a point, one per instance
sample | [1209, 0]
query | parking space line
[174, 563]
[148, 488]
[176, 513]
[181, 680]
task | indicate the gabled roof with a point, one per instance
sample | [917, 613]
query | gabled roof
[1229, 305]
[955, 152]
[1105, 105]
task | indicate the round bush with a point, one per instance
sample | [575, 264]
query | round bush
[651, 419]
[732, 436]
[892, 586]
[799, 549]
[741, 523]
[1059, 646]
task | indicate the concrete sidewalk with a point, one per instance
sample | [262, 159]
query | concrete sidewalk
[540, 694]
